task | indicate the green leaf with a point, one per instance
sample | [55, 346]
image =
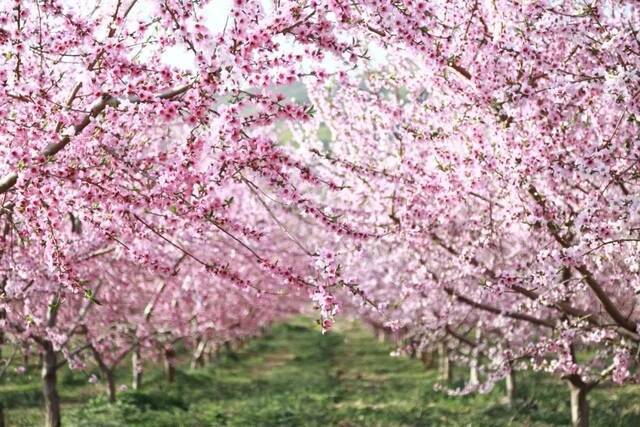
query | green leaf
[88, 294]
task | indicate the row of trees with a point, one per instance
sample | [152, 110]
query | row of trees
[479, 189]
[507, 182]
[142, 203]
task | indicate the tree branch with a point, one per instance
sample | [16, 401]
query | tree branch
[9, 181]
[495, 310]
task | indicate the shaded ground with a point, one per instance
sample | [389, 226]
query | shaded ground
[295, 376]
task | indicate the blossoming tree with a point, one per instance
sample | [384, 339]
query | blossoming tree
[483, 178]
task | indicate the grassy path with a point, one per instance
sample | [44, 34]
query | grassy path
[295, 376]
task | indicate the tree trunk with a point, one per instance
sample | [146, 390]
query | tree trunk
[25, 358]
[3, 313]
[197, 361]
[211, 355]
[212, 352]
[579, 405]
[111, 384]
[444, 363]
[427, 358]
[108, 372]
[235, 345]
[169, 364]
[136, 369]
[50, 386]
[230, 351]
[50, 371]
[2, 414]
[474, 377]
[473, 372]
[510, 382]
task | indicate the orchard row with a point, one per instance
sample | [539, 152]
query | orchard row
[464, 174]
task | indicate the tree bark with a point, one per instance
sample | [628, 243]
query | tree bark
[111, 384]
[25, 358]
[169, 364]
[136, 369]
[427, 358]
[108, 372]
[197, 361]
[212, 352]
[444, 364]
[473, 372]
[3, 314]
[230, 351]
[579, 404]
[50, 386]
[510, 382]
[50, 371]
[474, 377]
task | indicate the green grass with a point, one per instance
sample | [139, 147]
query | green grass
[295, 376]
